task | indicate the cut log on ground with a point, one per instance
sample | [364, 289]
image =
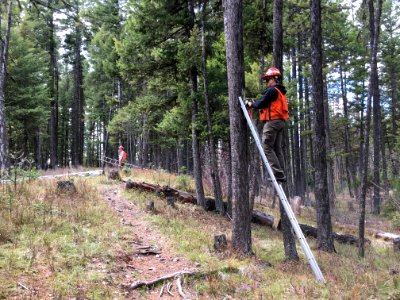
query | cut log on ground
[258, 217]
[387, 236]
[262, 218]
[341, 238]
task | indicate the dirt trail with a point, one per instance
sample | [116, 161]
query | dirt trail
[133, 267]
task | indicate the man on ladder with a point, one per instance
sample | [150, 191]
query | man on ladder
[273, 108]
[274, 113]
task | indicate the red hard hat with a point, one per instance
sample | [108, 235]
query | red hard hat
[272, 72]
[121, 147]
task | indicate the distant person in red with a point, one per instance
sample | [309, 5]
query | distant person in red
[121, 156]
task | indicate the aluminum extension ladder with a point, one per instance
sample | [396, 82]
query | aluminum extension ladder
[284, 201]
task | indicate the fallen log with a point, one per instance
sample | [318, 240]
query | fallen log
[259, 217]
[186, 197]
[387, 236]
[309, 230]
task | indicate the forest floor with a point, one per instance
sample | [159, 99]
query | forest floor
[134, 266]
[91, 244]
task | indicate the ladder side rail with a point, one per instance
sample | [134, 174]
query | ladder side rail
[282, 197]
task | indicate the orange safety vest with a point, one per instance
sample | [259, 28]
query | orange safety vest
[277, 110]
[122, 156]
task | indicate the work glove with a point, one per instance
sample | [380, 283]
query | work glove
[248, 103]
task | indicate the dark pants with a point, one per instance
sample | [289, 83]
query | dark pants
[272, 145]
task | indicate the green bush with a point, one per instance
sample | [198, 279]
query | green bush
[396, 220]
[126, 170]
[183, 182]
[389, 209]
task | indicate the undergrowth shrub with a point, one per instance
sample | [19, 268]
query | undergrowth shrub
[183, 182]
[127, 171]
[391, 208]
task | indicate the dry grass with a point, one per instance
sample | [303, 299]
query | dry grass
[191, 230]
[63, 245]
[57, 245]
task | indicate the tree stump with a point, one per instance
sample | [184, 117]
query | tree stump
[114, 175]
[150, 206]
[220, 242]
[396, 244]
[65, 186]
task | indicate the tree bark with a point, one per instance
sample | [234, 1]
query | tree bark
[309, 129]
[53, 89]
[289, 242]
[373, 95]
[77, 112]
[233, 25]
[329, 150]
[296, 137]
[325, 239]
[303, 138]
[347, 144]
[197, 168]
[4, 45]
[213, 157]
[374, 32]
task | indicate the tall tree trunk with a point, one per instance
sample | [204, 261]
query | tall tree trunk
[303, 140]
[255, 161]
[347, 144]
[289, 242]
[382, 130]
[361, 133]
[38, 149]
[144, 138]
[53, 89]
[213, 157]
[197, 168]
[374, 31]
[329, 150]
[241, 215]
[325, 238]
[394, 117]
[308, 126]
[77, 112]
[4, 45]
[296, 137]
[228, 163]
[373, 93]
